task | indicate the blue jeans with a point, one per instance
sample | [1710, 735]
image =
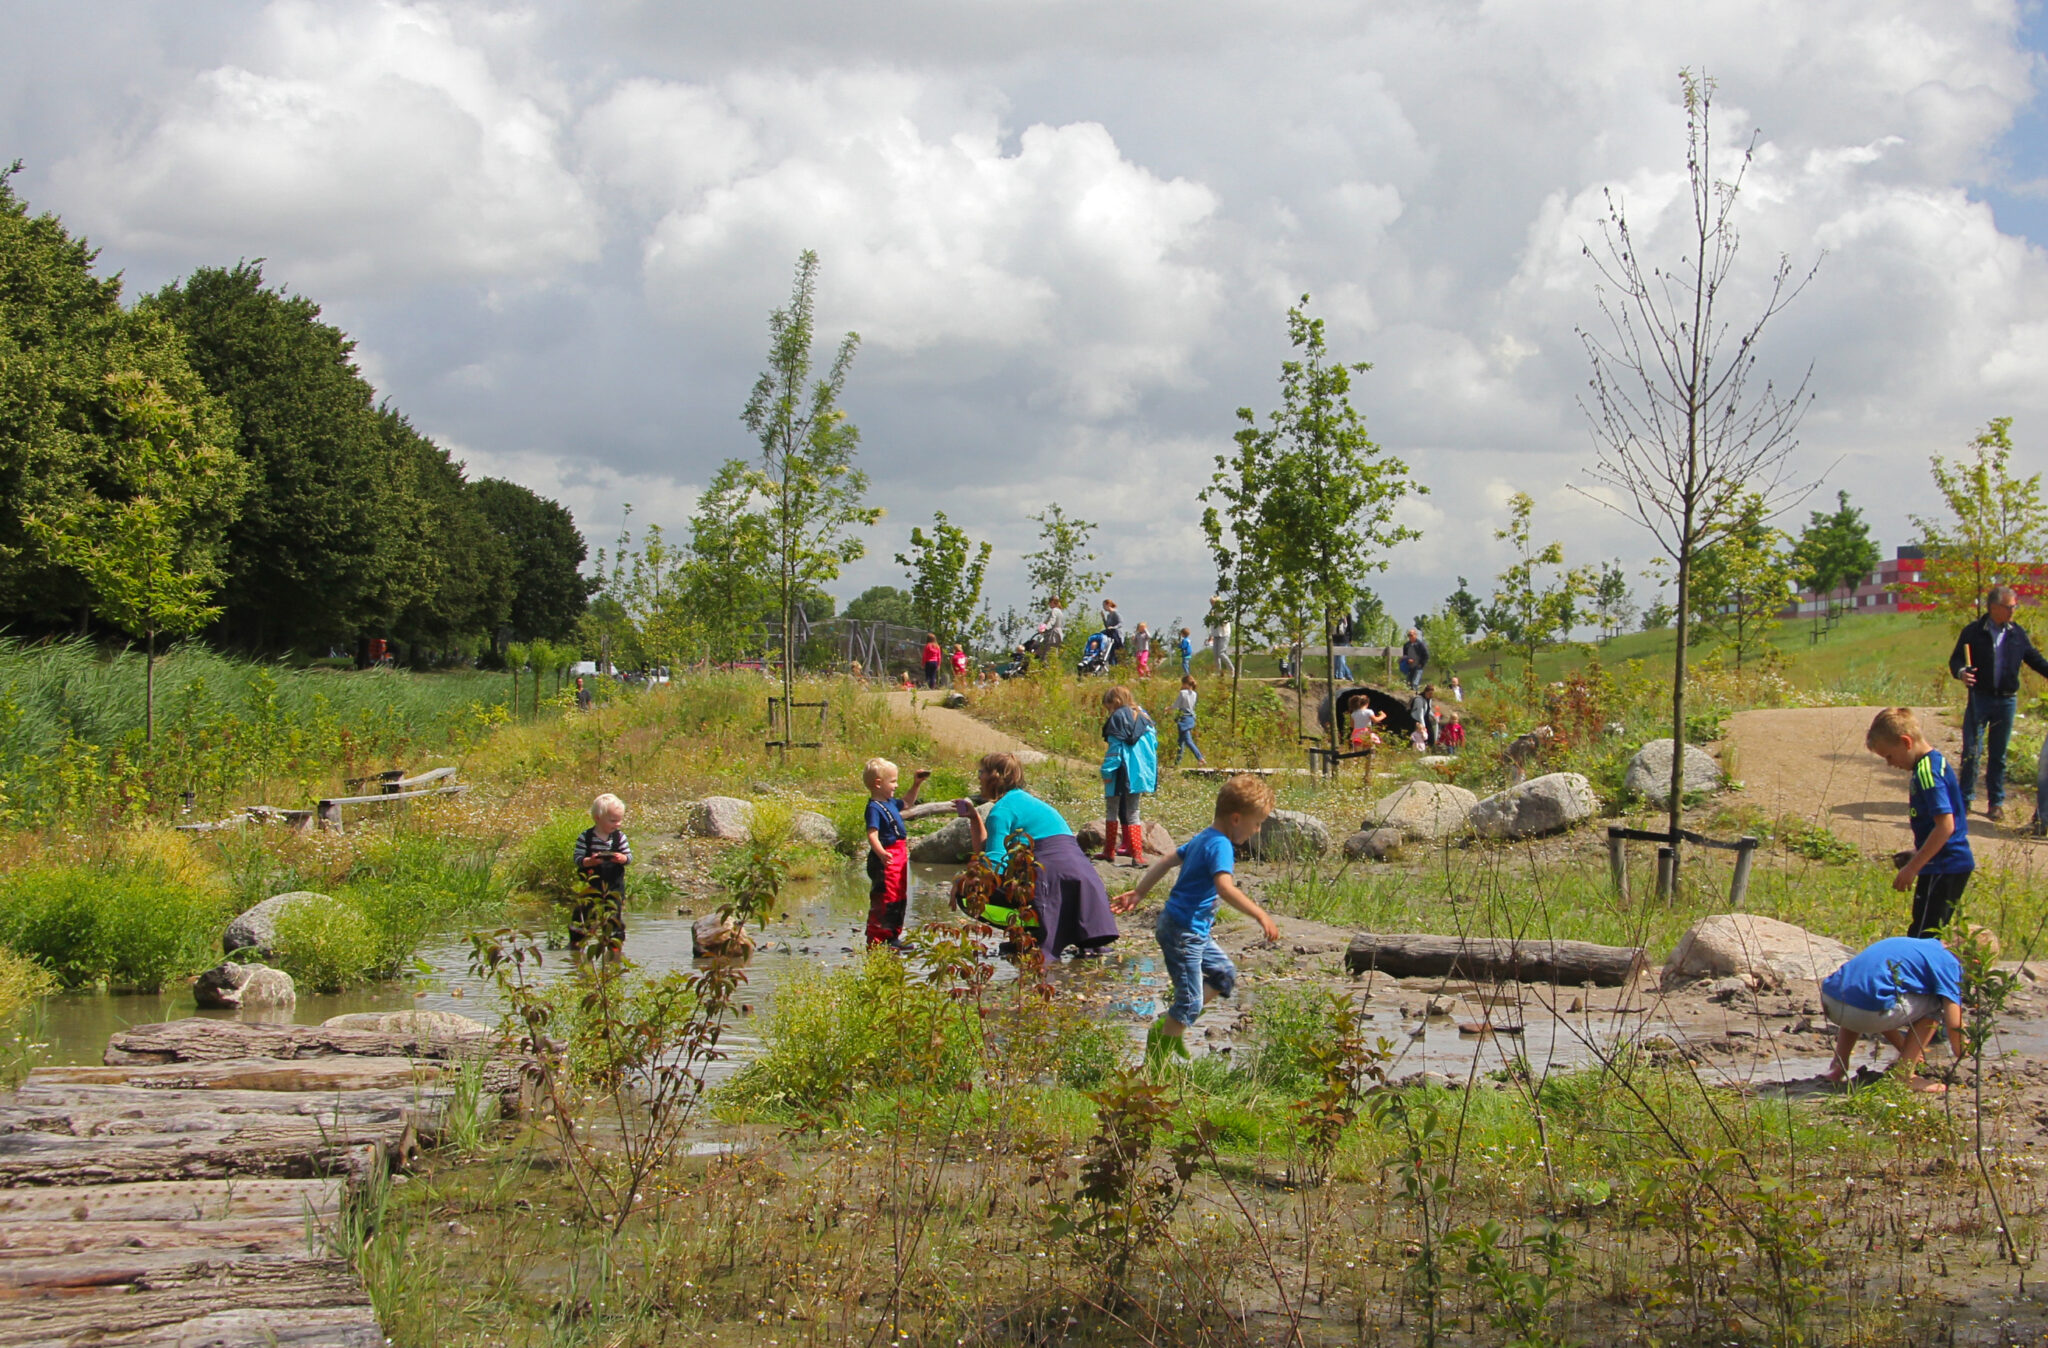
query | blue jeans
[1186, 665]
[1187, 743]
[1343, 668]
[1192, 958]
[1987, 718]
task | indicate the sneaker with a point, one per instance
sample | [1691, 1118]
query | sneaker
[1995, 813]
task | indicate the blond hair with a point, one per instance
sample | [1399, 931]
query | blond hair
[872, 770]
[1893, 725]
[1119, 696]
[1245, 794]
[607, 806]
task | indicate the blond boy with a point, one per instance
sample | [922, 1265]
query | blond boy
[888, 849]
[1939, 866]
[602, 855]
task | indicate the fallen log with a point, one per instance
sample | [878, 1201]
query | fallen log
[125, 1111]
[204, 1039]
[292, 1148]
[503, 1078]
[175, 1201]
[1493, 959]
[300, 1302]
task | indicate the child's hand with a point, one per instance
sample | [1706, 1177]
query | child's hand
[1125, 902]
[920, 774]
[1269, 926]
[1903, 881]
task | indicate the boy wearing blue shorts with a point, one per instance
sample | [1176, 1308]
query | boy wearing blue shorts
[1208, 864]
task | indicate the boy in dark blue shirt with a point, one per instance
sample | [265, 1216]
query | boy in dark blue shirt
[1940, 863]
[602, 855]
[1208, 864]
[888, 849]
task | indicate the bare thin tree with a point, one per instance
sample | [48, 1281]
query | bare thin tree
[1682, 428]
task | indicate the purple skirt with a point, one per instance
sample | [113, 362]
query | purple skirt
[1072, 903]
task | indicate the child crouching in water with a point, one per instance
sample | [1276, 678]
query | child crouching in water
[1208, 865]
[888, 849]
[602, 855]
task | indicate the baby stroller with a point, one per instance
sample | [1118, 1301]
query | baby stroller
[1095, 655]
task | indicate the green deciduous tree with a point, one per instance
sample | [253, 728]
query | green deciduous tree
[1835, 550]
[727, 575]
[1538, 599]
[1743, 582]
[1613, 606]
[547, 554]
[1995, 531]
[815, 496]
[946, 568]
[1231, 523]
[883, 604]
[147, 535]
[1060, 569]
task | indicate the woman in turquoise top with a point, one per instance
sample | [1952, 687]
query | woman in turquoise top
[1072, 903]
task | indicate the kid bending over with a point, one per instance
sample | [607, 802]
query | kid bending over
[1897, 989]
[888, 849]
[602, 855]
[1941, 861]
[1208, 865]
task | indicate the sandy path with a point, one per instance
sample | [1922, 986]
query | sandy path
[1810, 763]
[961, 733]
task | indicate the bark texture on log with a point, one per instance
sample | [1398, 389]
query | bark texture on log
[294, 1149]
[204, 1039]
[1489, 959]
[175, 1201]
[296, 1304]
[258, 1074]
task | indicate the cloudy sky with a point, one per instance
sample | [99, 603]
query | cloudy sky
[1067, 232]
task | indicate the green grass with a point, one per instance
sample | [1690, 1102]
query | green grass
[121, 925]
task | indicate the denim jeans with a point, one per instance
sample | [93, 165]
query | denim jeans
[1343, 668]
[1987, 723]
[1187, 744]
[1192, 958]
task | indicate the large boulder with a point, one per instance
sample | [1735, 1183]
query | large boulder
[1289, 835]
[1736, 945]
[1373, 844]
[950, 846]
[1649, 772]
[256, 930]
[229, 986]
[442, 1025]
[725, 817]
[811, 827]
[1540, 805]
[1158, 842]
[1427, 810]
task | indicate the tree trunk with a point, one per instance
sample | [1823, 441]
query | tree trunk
[1677, 804]
[1237, 656]
[1330, 670]
[149, 689]
[1484, 959]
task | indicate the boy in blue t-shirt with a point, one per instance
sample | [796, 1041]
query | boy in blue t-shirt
[1207, 862]
[1940, 863]
[888, 849]
[1897, 989]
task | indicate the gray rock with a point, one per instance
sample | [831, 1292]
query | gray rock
[1744, 945]
[950, 846]
[955, 700]
[811, 827]
[1540, 805]
[719, 935]
[1649, 772]
[1373, 844]
[726, 817]
[1427, 810]
[1158, 842]
[1289, 835]
[425, 1024]
[257, 929]
[254, 987]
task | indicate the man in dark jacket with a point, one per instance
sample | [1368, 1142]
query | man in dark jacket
[1987, 658]
[1414, 657]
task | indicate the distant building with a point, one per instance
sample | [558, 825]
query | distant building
[1889, 589]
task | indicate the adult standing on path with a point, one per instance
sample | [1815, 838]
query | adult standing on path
[931, 655]
[1219, 634]
[1987, 658]
[1113, 628]
[1070, 898]
[1340, 635]
[1414, 658]
[1053, 632]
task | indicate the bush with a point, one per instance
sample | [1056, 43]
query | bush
[125, 925]
[1285, 1023]
[22, 981]
[327, 945]
[543, 864]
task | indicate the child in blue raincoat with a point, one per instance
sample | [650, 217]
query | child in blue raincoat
[1130, 769]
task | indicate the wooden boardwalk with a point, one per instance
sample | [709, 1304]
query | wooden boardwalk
[190, 1191]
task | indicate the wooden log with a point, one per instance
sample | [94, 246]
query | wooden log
[408, 783]
[296, 1303]
[177, 1200]
[203, 1039]
[255, 1074]
[1487, 959]
[55, 1255]
[292, 1148]
[118, 1111]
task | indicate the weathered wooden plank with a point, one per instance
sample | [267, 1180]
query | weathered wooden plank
[118, 1111]
[430, 775]
[204, 1039]
[28, 1241]
[175, 1200]
[1415, 955]
[256, 1074]
[326, 1327]
[301, 1302]
[293, 1149]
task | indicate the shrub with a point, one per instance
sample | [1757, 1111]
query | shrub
[327, 945]
[1285, 1024]
[542, 862]
[120, 924]
[22, 981]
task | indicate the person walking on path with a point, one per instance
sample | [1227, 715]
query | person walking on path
[1987, 658]
[1219, 634]
[1186, 647]
[1142, 644]
[932, 654]
[1340, 635]
[1184, 715]
[1414, 658]
[1053, 630]
[1113, 628]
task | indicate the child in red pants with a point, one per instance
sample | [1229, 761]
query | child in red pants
[888, 849]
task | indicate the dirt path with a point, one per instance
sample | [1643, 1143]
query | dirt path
[1810, 763]
[961, 733]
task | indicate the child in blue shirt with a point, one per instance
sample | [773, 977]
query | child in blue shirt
[1897, 989]
[1940, 863]
[888, 849]
[1207, 862]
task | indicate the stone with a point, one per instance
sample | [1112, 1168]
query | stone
[1728, 989]
[955, 700]
[1373, 844]
[1735, 945]
[255, 987]
[1289, 835]
[256, 930]
[1425, 810]
[716, 934]
[440, 1025]
[951, 845]
[1649, 772]
[809, 826]
[1158, 842]
[724, 817]
[1546, 804]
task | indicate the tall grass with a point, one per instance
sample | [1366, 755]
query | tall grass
[71, 728]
